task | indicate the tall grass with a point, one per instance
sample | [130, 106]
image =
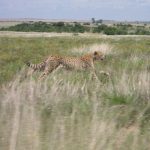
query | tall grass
[67, 110]
[60, 113]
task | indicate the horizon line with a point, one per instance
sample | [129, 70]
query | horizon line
[69, 19]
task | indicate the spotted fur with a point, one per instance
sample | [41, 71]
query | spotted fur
[70, 63]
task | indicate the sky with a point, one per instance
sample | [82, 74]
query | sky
[123, 10]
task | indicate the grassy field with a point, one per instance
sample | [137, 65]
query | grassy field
[68, 111]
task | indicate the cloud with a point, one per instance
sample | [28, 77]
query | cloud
[143, 2]
[74, 4]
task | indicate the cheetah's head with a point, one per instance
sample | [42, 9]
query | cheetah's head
[97, 55]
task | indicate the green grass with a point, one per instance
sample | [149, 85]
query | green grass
[68, 111]
[15, 51]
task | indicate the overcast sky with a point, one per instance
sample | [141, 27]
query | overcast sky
[76, 9]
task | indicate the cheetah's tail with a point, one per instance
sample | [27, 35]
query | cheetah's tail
[36, 66]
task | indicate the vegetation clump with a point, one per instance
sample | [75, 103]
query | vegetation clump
[98, 27]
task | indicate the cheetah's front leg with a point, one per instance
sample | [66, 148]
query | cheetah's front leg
[94, 75]
[105, 73]
[93, 71]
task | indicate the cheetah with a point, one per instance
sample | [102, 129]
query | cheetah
[85, 62]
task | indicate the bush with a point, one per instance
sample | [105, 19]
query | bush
[116, 29]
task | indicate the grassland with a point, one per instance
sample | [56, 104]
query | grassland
[68, 111]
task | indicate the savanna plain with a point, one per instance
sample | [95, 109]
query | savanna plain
[68, 110]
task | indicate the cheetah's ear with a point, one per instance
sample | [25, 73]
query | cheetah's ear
[95, 53]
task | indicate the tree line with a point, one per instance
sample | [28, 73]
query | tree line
[116, 29]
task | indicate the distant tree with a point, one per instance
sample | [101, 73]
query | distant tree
[93, 20]
[86, 23]
[60, 24]
[99, 21]
[118, 29]
[100, 28]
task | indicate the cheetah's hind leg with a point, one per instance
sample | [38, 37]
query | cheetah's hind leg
[49, 70]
